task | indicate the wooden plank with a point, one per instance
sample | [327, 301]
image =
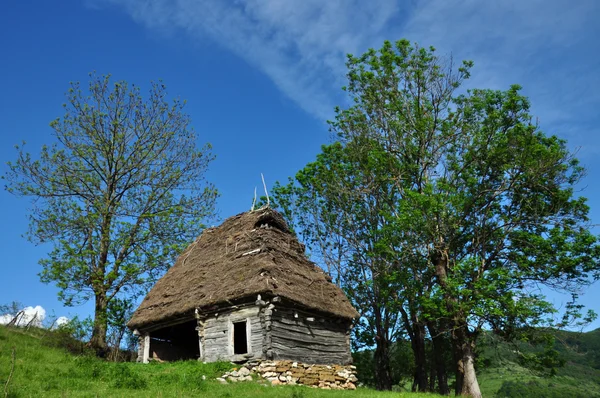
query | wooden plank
[216, 335]
[290, 320]
[285, 345]
[313, 332]
[311, 344]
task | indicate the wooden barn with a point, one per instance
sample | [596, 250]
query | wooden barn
[245, 290]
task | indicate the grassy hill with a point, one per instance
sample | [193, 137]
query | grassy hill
[502, 375]
[41, 370]
[44, 371]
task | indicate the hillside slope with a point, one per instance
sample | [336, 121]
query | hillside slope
[43, 371]
[502, 374]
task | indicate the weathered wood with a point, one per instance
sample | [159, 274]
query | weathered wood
[293, 344]
[146, 356]
[287, 319]
[218, 334]
[307, 330]
[273, 332]
[172, 322]
[294, 336]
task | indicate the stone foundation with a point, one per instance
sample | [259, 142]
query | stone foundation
[328, 377]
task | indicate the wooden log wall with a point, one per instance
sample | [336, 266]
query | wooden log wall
[215, 332]
[307, 338]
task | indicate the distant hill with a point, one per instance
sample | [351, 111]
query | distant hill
[502, 374]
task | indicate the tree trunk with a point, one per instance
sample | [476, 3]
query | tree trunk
[438, 360]
[440, 262]
[465, 356]
[432, 374]
[418, 346]
[383, 373]
[459, 369]
[98, 340]
[470, 387]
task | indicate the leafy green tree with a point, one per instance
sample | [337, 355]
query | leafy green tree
[119, 311]
[336, 214]
[478, 204]
[117, 195]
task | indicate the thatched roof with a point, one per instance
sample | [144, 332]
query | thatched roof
[249, 254]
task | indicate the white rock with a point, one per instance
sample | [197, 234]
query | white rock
[247, 378]
[244, 371]
[221, 380]
[234, 373]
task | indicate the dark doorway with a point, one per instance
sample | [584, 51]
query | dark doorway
[240, 340]
[175, 343]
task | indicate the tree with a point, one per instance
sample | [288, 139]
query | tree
[337, 214]
[479, 206]
[118, 195]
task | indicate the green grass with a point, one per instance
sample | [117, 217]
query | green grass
[507, 378]
[43, 371]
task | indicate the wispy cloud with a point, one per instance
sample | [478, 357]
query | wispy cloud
[546, 45]
[299, 45]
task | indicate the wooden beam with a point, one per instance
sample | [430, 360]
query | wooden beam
[146, 356]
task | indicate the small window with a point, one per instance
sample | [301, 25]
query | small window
[240, 340]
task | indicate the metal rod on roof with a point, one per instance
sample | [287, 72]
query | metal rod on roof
[265, 186]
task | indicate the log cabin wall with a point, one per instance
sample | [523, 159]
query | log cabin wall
[221, 335]
[309, 338]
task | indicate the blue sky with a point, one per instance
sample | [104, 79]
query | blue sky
[262, 76]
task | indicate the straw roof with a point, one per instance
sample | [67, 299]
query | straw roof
[249, 254]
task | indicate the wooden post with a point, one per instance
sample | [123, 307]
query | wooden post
[146, 356]
[200, 329]
[265, 320]
[248, 336]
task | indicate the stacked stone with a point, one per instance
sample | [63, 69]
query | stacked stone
[328, 377]
[236, 375]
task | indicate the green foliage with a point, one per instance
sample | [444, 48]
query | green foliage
[118, 194]
[71, 336]
[448, 209]
[402, 365]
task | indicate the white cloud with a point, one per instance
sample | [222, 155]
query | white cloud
[35, 315]
[61, 320]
